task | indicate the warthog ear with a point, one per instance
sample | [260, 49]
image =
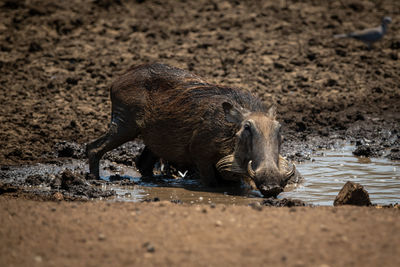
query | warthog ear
[232, 114]
[272, 112]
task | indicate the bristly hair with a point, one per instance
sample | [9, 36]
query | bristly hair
[240, 97]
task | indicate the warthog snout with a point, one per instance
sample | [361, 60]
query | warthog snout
[272, 179]
[257, 150]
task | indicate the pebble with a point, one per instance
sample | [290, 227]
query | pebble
[58, 196]
[149, 247]
[38, 258]
[218, 223]
[256, 206]
[101, 237]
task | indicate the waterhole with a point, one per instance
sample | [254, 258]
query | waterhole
[324, 176]
[329, 170]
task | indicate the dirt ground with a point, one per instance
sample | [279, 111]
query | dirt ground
[58, 58]
[164, 234]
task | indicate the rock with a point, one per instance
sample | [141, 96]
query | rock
[69, 149]
[352, 194]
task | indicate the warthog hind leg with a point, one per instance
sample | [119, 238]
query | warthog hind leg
[95, 150]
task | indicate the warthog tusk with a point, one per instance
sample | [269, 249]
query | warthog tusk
[284, 165]
[250, 170]
[291, 172]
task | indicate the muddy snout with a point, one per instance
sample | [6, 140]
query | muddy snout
[272, 183]
[270, 190]
[272, 180]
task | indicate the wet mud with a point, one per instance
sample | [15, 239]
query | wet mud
[68, 179]
[58, 60]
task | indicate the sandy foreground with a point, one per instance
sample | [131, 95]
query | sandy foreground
[36, 233]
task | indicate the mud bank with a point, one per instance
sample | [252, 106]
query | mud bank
[58, 59]
[150, 234]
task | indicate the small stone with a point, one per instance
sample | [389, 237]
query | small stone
[38, 259]
[101, 237]
[149, 247]
[256, 206]
[218, 223]
[323, 228]
[58, 196]
[352, 194]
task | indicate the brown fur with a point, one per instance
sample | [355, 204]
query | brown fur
[179, 116]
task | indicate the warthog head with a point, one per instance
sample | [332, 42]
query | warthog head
[256, 153]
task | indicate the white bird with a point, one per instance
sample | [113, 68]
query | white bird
[368, 36]
[182, 174]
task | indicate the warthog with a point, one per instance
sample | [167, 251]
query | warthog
[223, 133]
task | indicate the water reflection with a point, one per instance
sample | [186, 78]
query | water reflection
[331, 169]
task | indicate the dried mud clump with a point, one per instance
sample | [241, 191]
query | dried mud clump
[76, 184]
[368, 151]
[37, 179]
[66, 185]
[394, 154]
[69, 150]
[352, 194]
[273, 202]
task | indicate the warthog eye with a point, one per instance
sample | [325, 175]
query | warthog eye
[247, 127]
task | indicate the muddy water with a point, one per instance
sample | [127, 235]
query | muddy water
[183, 195]
[329, 170]
[324, 176]
[180, 190]
[160, 188]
